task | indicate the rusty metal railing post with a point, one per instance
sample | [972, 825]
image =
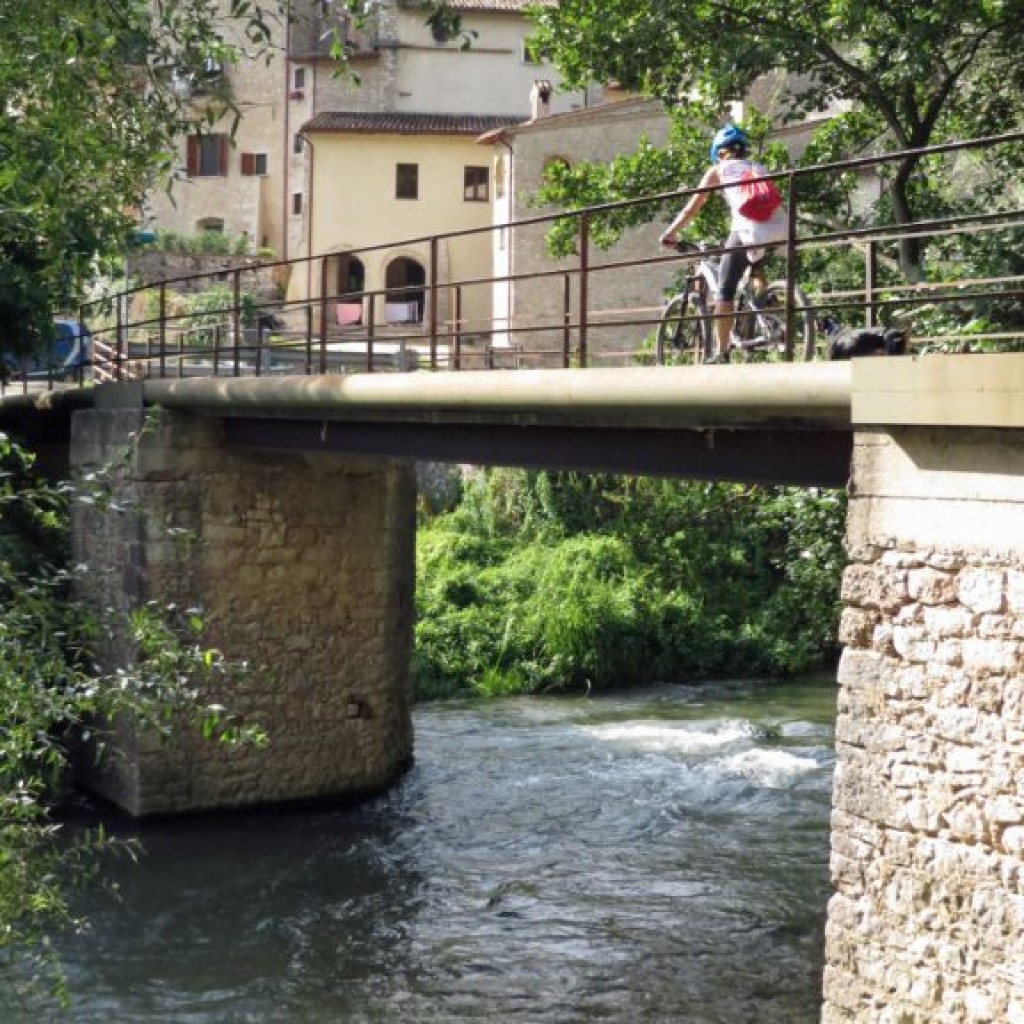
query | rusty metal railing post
[456, 360]
[309, 340]
[162, 331]
[323, 315]
[371, 329]
[584, 289]
[236, 319]
[566, 320]
[870, 282]
[432, 302]
[369, 344]
[258, 369]
[119, 338]
[791, 267]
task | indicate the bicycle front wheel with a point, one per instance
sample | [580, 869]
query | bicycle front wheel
[683, 331]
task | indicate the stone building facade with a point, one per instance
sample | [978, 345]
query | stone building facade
[529, 304]
[259, 182]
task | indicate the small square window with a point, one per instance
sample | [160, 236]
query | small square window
[297, 143]
[407, 181]
[475, 184]
[296, 203]
[300, 79]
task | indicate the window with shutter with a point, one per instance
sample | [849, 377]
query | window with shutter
[193, 156]
[207, 156]
[253, 163]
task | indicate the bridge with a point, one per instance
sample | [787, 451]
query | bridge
[285, 506]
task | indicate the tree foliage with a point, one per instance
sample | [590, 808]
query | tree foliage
[93, 105]
[894, 76]
[54, 691]
[542, 581]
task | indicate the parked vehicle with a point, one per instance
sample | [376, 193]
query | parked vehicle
[70, 354]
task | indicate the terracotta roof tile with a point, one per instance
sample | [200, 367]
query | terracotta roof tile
[499, 5]
[399, 123]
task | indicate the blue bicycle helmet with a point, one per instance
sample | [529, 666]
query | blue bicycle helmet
[730, 135]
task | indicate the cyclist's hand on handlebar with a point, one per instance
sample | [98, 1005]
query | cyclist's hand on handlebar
[672, 241]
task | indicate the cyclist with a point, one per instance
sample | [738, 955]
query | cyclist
[729, 167]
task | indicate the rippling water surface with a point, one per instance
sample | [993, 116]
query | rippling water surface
[655, 857]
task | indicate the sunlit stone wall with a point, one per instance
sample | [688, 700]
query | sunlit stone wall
[303, 568]
[926, 924]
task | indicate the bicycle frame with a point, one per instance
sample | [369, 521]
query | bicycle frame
[691, 309]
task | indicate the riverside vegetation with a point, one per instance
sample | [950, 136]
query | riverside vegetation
[546, 582]
[55, 692]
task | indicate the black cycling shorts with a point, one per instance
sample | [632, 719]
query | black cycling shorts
[734, 262]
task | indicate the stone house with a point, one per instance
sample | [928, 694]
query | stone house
[260, 183]
[529, 304]
[623, 302]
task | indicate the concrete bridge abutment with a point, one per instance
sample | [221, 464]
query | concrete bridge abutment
[926, 924]
[303, 568]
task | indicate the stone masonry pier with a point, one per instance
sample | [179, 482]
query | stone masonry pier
[303, 568]
[926, 924]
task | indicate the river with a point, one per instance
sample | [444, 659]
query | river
[653, 857]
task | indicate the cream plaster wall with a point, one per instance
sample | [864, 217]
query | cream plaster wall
[353, 185]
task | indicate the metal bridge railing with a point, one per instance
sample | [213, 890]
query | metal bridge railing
[595, 308]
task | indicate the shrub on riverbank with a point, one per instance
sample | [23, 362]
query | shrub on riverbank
[52, 691]
[545, 582]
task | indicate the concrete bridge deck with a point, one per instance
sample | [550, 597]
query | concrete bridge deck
[787, 423]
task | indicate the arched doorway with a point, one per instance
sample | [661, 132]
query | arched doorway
[350, 275]
[346, 278]
[404, 297]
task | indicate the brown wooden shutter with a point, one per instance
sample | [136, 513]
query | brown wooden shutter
[192, 159]
[222, 161]
[248, 163]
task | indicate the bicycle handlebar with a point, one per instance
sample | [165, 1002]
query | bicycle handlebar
[682, 245]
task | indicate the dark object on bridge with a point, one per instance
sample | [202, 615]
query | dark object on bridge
[271, 321]
[850, 343]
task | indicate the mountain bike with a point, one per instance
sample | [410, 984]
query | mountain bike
[686, 330]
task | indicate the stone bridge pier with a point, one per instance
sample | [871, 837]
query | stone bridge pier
[303, 567]
[926, 921]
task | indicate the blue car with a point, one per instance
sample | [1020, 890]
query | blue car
[70, 354]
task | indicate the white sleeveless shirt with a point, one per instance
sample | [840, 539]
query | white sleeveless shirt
[750, 232]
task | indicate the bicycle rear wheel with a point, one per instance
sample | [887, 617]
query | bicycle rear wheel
[765, 322]
[683, 332]
[768, 320]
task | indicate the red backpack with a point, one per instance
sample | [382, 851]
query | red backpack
[759, 198]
